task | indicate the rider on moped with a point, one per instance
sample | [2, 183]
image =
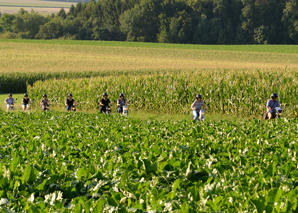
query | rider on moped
[104, 103]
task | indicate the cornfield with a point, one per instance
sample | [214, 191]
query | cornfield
[16, 82]
[238, 92]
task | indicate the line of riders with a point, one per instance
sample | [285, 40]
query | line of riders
[273, 107]
[70, 104]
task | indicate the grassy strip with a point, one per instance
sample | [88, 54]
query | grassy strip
[242, 48]
[132, 114]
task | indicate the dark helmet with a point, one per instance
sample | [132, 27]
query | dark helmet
[9, 94]
[198, 96]
[44, 95]
[105, 94]
[274, 95]
[69, 94]
[121, 94]
[25, 95]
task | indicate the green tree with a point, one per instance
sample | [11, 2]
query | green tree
[28, 23]
[78, 9]
[71, 10]
[6, 22]
[141, 23]
[62, 13]
[51, 30]
[263, 16]
[177, 29]
[290, 20]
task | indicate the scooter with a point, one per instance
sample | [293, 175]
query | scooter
[278, 112]
[202, 115]
[73, 108]
[108, 110]
[10, 107]
[28, 108]
[125, 110]
[46, 108]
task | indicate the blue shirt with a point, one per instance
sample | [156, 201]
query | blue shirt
[272, 104]
[9, 100]
[198, 105]
[122, 103]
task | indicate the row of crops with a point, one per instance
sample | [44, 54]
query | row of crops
[61, 162]
[16, 82]
[226, 92]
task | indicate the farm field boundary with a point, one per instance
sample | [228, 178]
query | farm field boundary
[25, 61]
[70, 162]
[241, 48]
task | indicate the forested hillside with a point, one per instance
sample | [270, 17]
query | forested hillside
[168, 21]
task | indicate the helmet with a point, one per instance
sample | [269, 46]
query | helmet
[69, 94]
[121, 94]
[25, 95]
[274, 95]
[9, 94]
[198, 96]
[44, 95]
[105, 94]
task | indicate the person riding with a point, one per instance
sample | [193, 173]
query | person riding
[197, 106]
[45, 102]
[9, 101]
[104, 103]
[25, 102]
[271, 105]
[121, 102]
[69, 103]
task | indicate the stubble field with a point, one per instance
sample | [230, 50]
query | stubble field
[76, 56]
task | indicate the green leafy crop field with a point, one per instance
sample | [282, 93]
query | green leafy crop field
[64, 162]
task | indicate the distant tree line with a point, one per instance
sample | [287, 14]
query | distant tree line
[166, 21]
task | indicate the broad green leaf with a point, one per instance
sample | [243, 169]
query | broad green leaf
[80, 173]
[274, 195]
[124, 178]
[99, 206]
[190, 171]
[259, 204]
[15, 162]
[42, 185]
[29, 174]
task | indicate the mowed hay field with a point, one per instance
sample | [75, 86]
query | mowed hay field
[42, 7]
[61, 56]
